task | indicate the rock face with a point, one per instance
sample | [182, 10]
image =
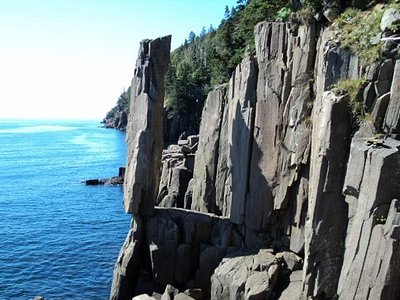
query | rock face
[118, 121]
[145, 127]
[177, 171]
[246, 276]
[327, 210]
[372, 236]
[285, 193]
[206, 172]
[177, 246]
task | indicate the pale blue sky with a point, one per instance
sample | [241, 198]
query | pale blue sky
[72, 58]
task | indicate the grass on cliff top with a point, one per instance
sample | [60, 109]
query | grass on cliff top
[356, 28]
[352, 88]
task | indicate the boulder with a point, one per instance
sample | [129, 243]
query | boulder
[194, 293]
[182, 296]
[174, 182]
[294, 290]
[257, 286]
[143, 297]
[240, 277]
[292, 261]
[169, 293]
[390, 18]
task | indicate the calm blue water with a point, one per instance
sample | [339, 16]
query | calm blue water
[59, 238]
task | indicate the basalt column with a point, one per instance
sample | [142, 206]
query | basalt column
[145, 127]
[144, 148]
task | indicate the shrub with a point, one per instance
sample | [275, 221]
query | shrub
[352, 88]
[284, 13]
[356, 28]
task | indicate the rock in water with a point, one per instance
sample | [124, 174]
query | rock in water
[145, 127]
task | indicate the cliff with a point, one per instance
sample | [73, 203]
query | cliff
[117, 117]
[293, 193]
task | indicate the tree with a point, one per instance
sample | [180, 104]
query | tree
[227, 13]
[192, 37]
[203, 32]
[205, 61]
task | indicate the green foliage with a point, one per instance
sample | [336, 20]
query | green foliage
[356, 28]
[209, 59]
[313, 3]
[381, 219]
[352, 88]
[305, 15]
[122, 105]
[284, 13]
[366, 118]
[394, 3]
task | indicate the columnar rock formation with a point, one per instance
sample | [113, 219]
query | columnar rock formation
[292, 197]
[144, 147]
[145, 127]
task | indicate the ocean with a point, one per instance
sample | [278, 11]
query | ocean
[59, 238]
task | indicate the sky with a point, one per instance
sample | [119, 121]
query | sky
[71, 59]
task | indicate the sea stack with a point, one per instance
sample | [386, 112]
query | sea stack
[145, 127]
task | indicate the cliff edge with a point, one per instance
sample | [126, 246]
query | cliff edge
[292, 194]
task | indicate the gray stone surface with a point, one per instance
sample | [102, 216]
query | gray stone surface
[257, 286]
[390, 17]
[235, 141]
[143, 297]
[183, 247]
[327, 211]
[282, 126]
[207, 159]
[283, 163]
[379, 111]
[294, 290]
[145, 127]
[177, 170]
[169, 293]
[392, 118]
[182, 296]
[245, 275]
[378, 186]
[127, 267]
[385, 76]
[292, 261]
[194, 293]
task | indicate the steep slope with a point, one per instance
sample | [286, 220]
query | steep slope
[294, 192]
